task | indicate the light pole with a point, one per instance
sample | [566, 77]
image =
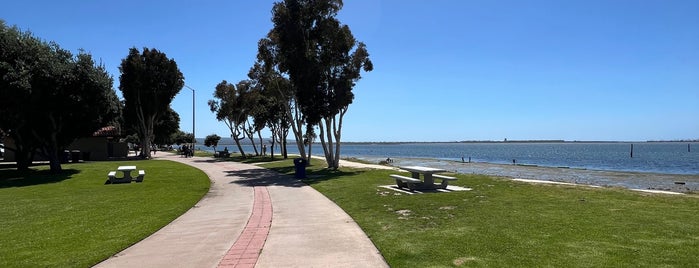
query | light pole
[193, 118]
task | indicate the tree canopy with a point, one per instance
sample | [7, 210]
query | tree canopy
[48, 97]
[230, 107]
[212, 140]
[149, 81]
[323, 61]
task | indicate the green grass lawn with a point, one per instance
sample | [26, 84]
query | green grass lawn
[74, 220]
[503, 223]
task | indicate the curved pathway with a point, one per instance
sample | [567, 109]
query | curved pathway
[254, 217]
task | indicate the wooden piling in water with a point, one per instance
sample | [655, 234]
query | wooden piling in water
[632, 150]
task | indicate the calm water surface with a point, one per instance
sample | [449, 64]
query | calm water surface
[661, 157]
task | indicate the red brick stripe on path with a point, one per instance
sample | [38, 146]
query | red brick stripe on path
[246, 250]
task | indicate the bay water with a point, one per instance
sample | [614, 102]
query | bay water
[648, 157]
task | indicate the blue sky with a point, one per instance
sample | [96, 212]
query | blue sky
[443, 70]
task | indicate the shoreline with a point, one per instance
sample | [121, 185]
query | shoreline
[609, 156]
[648, 182]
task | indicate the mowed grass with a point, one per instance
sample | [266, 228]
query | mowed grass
[74, 220]
[503, 223]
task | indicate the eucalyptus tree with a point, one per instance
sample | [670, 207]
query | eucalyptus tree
[277, 98]
[149, 82]
[229, 108]
[249, 102]
[323, 61]
[48, 97]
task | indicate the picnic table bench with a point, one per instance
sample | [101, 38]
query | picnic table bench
[126, 178]
[428, 175]
[222, 154]
[406, 182]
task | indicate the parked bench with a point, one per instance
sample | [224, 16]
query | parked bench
[406, 182]
[222, 154]
[141, 174]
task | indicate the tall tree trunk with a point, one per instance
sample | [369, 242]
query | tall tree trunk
[285, 135]
[337, 131]
[54, 161]
[326, 140]
[23, 155]
[330, 136]
[145, 132]
[310, 154]
[274, 139]
[238, 135]
[250, 133]
[296, 123]
[24, 159]
[51, 152]
[50, 149]
[259, 136]
[285, 154]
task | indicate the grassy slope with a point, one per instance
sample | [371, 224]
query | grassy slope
[510, 224]
[75, 220]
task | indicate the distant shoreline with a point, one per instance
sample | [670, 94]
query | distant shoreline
[514, 141]
[228, 141]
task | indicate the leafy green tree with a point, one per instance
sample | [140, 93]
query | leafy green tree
[228, 105]
[132, 138]
[249, 101]
[149, 81]
[279, 111]
[167, 124]
[212, 140]
[323, 60]
[182, 137]
[48, 97]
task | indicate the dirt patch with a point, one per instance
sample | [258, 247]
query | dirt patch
[464, 260]
[404, 214]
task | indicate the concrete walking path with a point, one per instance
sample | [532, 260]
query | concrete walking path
[254, 217]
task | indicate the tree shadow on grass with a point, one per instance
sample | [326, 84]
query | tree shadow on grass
[13, 178]
[329, 174]
[315, 175]
[284, 176]
[263, 177]
[250, 159]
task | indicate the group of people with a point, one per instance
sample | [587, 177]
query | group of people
[186, 151]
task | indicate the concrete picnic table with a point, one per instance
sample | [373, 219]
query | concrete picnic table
[427, 181]
[425, 171]
[127, 171]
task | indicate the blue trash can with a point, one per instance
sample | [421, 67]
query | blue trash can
[300, 165]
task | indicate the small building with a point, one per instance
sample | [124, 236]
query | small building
[103, 145]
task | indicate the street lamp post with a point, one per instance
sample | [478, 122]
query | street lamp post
[193, 118]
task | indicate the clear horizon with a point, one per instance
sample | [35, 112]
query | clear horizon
[445, 70]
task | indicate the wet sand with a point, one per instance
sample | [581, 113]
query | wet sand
[631, 180]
